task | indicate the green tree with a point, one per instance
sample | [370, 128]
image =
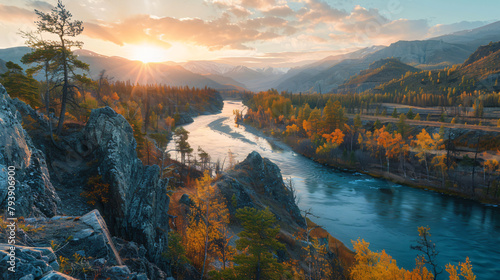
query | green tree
[403, 127]
[257, 244]
[20, 85]
[395, 113]
[357, 122]
[410, 115]
[59, 23]
[181, 136]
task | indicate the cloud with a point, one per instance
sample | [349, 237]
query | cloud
[315, 11]
[370, 27]
[279, 11]
[15, 14]
[239, 11]
[214, 34]
[94, 30]
[40, 5]
[258, 4]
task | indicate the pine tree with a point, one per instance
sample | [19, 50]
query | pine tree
[395, 113]
[59, 23]
[257, 244]
[20, 85]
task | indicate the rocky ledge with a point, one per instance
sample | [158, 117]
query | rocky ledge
[257, 182]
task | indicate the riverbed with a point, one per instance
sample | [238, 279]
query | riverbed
[353, 205]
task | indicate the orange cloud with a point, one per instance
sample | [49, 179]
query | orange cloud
[215, 34]
[15, 14]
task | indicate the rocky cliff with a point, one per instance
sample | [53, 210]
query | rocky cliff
[138, 203]
[34, 193]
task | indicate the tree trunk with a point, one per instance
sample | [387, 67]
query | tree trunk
[206, 239]
[64, 99]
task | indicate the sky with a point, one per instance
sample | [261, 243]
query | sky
[278, 31]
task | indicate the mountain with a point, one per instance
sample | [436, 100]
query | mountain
[3, 68]
[254, 80]
[481, 71]
[474, 37]
[13, 54]
[207, 67]
[331, 60]
[416, 53]
[224, 80]
[425, 54]
[435, 53]
[123, 69]
[379, 72]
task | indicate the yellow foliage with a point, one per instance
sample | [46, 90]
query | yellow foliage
[465, 271]
[374, 266]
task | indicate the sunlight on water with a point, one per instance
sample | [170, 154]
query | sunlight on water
[355, 205]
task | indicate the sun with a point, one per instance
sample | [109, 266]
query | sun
[149, 53]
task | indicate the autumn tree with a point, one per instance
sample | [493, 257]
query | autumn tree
[333, 140]
[59, 23]
[208, 228]
[423, 145]
[464, 268]
[312, 124]
[333, 116]
[389, 143]
[427, 249]
[381, 266]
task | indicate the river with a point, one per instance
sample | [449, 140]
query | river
[355, 205]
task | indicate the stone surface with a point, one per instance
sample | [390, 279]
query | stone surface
[35, 195]
[134, 256]
[138, 202]
[57, 276]
[257, 182]
[34, 261]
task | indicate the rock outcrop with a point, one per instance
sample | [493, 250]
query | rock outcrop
[34, 194]
[138, 202]
[83, 248]
[257, 182]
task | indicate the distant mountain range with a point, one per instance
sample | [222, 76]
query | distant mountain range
[333, 73]
[481, 71]
[434, 53]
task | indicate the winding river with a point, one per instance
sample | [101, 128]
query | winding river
[355, 205]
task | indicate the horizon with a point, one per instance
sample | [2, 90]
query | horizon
[253, 33]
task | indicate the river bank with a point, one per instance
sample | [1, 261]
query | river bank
[410, 174]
